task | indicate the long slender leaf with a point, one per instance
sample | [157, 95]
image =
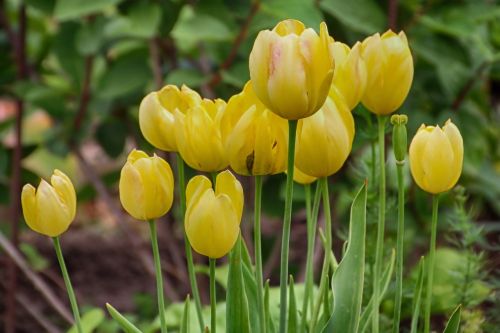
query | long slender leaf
[384, 284]
[185, 317]
[454, 322]
[267, 313]
[292, 309]
[237, 316]
[347, 281]
[126, 325]
[417, 296]
[251, 294]
[90, 320]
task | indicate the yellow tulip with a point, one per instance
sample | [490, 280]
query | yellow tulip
[291, 68]
[212, 220]
[324, 140]
[146, 186]
[50, 209]
[436, 157]
[389, 65]
[302, 178]
[349, 77]
[156, 114]
[255, 139]
[198, 135]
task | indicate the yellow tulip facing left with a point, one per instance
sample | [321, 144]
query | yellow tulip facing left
[212, 220]
[146, 186]
[50, 209]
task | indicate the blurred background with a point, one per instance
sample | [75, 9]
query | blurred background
[72, 74]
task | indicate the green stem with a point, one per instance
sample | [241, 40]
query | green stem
[287, 221]
[258, 251]
[328, 247]
[67, 282]
[379, 250]
[312, 218]
[399, 247]
[187, 245]
[430, 273]
[159, 276]
[213, 301]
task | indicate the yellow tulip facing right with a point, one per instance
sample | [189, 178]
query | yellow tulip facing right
[212, 220]
[436, 157]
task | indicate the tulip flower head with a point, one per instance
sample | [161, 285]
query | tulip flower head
[255, 139]
[349, 77]
[212, 220]
[324, 140]
[302, 178]
[436, 157]
[198, 135]
[156, 114]
[50, 209]
[146, 186]
[389, 65]
[291, 68]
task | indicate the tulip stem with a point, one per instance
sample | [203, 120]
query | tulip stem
[159, 276]
[379, 249]
[430, 270]
[67, 282]
[213, 315]
[399, 246]
[258, 251]
[312, 219]
[287, 221]
[187, 245]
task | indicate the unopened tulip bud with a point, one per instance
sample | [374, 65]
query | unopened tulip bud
[399, 137]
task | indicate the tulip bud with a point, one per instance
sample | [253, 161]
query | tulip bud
[146, 186]
[291, 68]
[255, 139]
[302, 178]
[436, 157]
[156, 114]
[389, 65]
[212, 220]
[198, 135]
[399, 137]
[50, 209]
[349, 77]
[324, 140]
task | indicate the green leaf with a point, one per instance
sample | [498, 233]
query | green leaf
[417, 296]
[187, 76]
[267, 313]
[90, 320]
[46, 6]
[347, 281]
[71, 9]
[237, 316]
[126, 325]
[292, 309]
[384, 284]
[303, 10]
[364, 16]
[185, 317]
[66, 53]
[111, 135]
[142, 21]
[36, 260]
[251, 294]
[90, 37]
[454, 322]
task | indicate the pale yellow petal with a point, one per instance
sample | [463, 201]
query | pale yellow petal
[64, 188]
[226, 183]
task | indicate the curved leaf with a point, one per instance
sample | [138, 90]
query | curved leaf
[454, 322]
[417, 296]
[126, 325]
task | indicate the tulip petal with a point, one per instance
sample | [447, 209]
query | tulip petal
[195, 188]
[453, 134]
[132, 192]
[227, 184]
[156, 123]
[53, 218]
[64, 188]
[28, 201]
[259, 61]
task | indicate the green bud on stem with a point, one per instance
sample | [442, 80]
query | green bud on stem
[399, 136]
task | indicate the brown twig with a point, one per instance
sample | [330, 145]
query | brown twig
[216, 78]
[469, 85]
[392, 14]
[156, 62]
[84, 95]
[26, 303]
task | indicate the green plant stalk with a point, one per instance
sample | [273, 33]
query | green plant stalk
[187, 245]
[287, 221]
[213, 300]
[67, 282]
[159, 276]
[399, 247]
[432, 254]
[379, 249]
[258, 251]
[312, 218]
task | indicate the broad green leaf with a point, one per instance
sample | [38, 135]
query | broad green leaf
[417, 296]
[292, 309]
[142, 21]
[185, 317]
[36, 260]
[347, 281]
[251, 293]
[303, 10]
[70, 9]
[384, 284]
[111, 135]
[46, 6]
[267, 313]
[454, 322]
[67, 55]
[126, 325]
[188, 76]
[90, 320]
[364, 16]
[237, 316]
[90, 37]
